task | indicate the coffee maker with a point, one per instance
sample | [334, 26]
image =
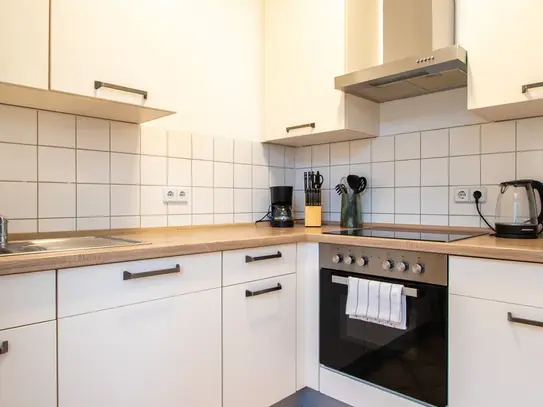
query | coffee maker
[281, 207]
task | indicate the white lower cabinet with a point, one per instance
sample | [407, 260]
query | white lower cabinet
[28, 366]
[163, 353]
[493, 361]
[259, 342]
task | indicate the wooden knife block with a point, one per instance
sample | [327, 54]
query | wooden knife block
[313, 216]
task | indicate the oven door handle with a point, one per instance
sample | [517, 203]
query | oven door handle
[407, 291]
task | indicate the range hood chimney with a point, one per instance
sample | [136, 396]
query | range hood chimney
[416, 52]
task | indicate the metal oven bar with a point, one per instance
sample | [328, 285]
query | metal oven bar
[407, 291]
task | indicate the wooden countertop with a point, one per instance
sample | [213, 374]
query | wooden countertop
[165, 242]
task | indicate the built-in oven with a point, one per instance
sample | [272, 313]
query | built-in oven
[410, 362]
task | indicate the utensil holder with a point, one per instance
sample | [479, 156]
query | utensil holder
[313, 216]
[351, 211]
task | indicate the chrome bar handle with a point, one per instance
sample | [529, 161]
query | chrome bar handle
[133, 276]
[249, 259]
[528, 86]
[100, 84]
[407, 291]
[523, 321]
[301, 126]
[4, 348]
[249, 293]
[3, 230]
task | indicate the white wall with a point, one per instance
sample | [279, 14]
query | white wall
[222, 42]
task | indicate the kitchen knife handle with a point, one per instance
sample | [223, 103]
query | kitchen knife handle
[4, 347]
[301, 126]
[100, 84]
[249, 293]
[523, 321]
[132, 276]
[250, 259]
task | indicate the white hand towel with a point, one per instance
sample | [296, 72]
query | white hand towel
[373, 300]
[398, 307]
[363, 292]
[352, 296]
[384, 302]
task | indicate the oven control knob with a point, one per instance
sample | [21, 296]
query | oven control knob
[337, 258]
[362, 261]
[401, 266]
[348, 260]
[417, 268]
[387, 264]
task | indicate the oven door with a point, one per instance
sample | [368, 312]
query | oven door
[411, 362]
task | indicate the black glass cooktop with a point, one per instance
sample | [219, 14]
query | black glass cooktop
[405, 234]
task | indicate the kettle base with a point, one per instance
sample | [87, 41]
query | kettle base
[510, 231]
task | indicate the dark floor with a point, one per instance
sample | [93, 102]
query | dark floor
[307, 397]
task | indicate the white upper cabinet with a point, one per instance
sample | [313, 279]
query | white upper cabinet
[307, 44]
[125, 43]
[503, 41]
[24, 42]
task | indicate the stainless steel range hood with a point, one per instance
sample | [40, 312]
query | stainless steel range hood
[424, 30]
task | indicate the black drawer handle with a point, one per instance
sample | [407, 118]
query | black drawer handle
[523, 321]
[100, 84]
[301, 126]
[249, 293]
[528, 86]
[4, 347]
[249, 259]
[127, 275]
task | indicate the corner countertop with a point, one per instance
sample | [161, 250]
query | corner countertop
[166, 242]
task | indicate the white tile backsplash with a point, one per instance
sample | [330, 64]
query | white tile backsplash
[19, 163]
[243, 152]
[202, 200]
[407, 173]
[242, 176]
[154, 141]
[125, 137]
[93, 167]
[529, 134]
[360, 151]
[465, 170]
[125, 168]
[154, 170]
[179, 172]
[302, 158]
[202, 147]
[382, 149]
[223, 175]
[382, 174]
[277, 156]
[202, 173]
[260, 177]
[179, 144]
[223, 199]
[92, 134]
[54, 164]
[93, 223]
[320, 155]
[407, 146]
[407, 200]
[339, 153]
[465, 140]
[18, 125]
[25, 204]
[125, 200]
[498, 137]
[223, 149]
[56, 129]
[496, 168]
[55, 201]
[434, 143]
[434, 171]
[92, 200]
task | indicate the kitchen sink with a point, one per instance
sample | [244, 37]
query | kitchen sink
[65, 244]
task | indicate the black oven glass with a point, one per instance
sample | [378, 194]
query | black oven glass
[411, 362]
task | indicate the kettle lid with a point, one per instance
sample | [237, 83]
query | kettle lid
[517, 182]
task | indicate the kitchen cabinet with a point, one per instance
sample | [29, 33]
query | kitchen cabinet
[24, 42]
[494, 358]
[28, 366]
[120, 42]
[159, 353]
[502, 39]
[492, 361]
[259, 342]
[307, 43]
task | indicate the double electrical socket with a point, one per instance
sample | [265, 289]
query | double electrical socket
[465, 194]
[171, 194]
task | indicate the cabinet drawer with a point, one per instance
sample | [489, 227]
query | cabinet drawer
[28, 370]
[259, 342]
[27, 299]
[94, 288]
[497, 280]
[254, 264]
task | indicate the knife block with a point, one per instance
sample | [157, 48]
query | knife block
[313, 216]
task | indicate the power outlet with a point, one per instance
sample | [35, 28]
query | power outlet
[482, 190]
[182, 196]
[461, 195]
[169, 194]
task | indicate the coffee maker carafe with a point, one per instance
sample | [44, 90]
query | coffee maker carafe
[281, 207]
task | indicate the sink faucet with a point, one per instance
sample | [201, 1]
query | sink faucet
[3, 230]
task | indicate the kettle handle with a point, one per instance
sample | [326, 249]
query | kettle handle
[538, 186]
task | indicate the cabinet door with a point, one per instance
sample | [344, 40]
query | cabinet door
[259, 343]
[503, 40]
[28, 376]
[24, 42]
[304, 51]
[493, 362]
[163, 353]
[129, 43]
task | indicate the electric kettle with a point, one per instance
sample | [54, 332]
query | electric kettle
[518, 209]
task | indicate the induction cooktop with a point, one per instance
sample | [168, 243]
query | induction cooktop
[406, 234]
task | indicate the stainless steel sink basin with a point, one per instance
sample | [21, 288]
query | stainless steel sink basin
[70, 243]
